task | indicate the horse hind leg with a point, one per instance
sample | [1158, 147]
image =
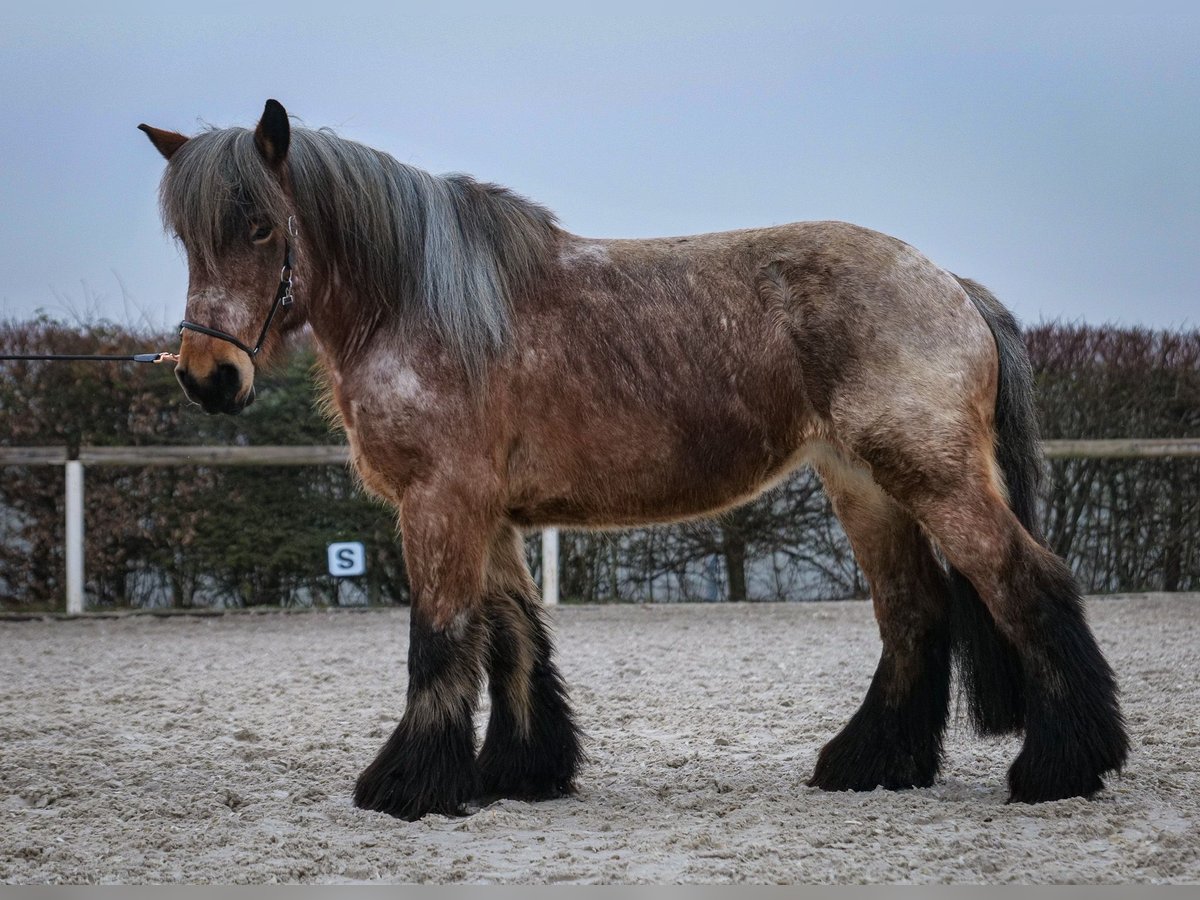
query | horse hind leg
[532, 748]
[895, 738]
[1074, 731]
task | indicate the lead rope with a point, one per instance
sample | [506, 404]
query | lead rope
[283, 298]
[160, 357]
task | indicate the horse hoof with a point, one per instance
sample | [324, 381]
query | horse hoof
[410, 809]
[1030, 782]
[411, 799]
[847, 765]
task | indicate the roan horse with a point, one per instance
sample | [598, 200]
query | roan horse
[495, 373]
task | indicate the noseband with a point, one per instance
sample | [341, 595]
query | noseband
[283, 297]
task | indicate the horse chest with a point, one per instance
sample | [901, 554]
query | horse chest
[385, 446]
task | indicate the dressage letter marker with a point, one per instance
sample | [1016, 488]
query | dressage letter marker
[347, 559]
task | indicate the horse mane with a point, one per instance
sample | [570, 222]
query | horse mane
[446, 251]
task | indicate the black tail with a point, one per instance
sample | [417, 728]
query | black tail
[989, 670]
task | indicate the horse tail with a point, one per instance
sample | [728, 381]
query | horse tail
[990, 673]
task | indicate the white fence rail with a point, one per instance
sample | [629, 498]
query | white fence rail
[320, 455]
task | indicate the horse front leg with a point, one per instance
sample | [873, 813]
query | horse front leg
[428, 764]
[532, 749]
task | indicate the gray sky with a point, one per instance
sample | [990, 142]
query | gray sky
[1056, 159]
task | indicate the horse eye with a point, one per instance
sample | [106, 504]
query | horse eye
[261, 233]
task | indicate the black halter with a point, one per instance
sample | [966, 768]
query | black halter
[283, 297]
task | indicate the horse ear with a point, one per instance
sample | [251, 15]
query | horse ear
[166, 142]
[273, 134]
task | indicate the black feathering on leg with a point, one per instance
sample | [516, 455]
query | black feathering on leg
[428, 764]
[1074, 730]
[421, 771]
[536, 759]
[991, 679]
[893, 742]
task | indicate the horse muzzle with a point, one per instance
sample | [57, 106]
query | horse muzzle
[219, 392]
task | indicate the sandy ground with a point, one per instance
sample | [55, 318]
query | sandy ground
[225, 749]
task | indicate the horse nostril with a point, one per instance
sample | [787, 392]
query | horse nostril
[227, 380]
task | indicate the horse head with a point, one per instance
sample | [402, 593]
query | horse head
[226, 196]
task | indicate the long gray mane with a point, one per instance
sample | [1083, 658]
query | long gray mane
[446, 249]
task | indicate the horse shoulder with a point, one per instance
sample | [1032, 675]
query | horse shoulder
[401, 416]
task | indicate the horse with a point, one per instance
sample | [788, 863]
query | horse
[495, 373]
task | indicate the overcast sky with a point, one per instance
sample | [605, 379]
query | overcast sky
[1055, 159]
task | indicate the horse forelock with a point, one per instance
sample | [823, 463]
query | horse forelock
[444, 251]
[213, 185]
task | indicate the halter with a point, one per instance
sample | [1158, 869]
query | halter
[283, 297]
